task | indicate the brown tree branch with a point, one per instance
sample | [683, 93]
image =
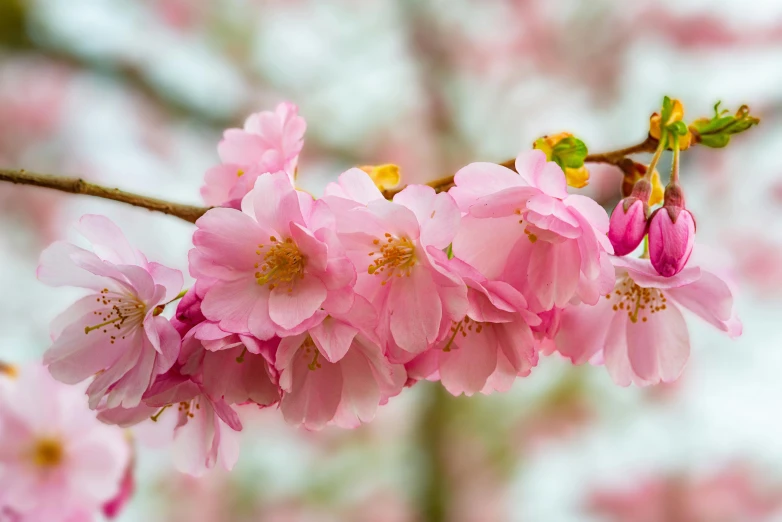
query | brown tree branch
[189, 213]
[615, 158]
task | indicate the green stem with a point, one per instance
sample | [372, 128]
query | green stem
[655, 159]
[675, 167]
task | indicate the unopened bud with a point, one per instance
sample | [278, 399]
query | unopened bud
[627, 226]
[671, 234]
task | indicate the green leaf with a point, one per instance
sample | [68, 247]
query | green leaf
[665, 115]
[449, 251]
[715, 132]
[570, 153]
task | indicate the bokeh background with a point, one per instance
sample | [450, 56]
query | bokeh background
[136, 93]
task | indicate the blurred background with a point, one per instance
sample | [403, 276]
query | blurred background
[136, 93]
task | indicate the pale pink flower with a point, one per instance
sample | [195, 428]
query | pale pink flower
[638, 330]
[393, 246]
[57, 461]
[269, 142]
[116, 331]
[273, 265]
[527, 230]
[336, 371]
[489, 347]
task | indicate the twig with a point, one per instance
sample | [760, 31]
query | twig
[615, 158]
[189, 213]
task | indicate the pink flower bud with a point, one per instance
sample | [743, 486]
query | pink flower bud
[671, 234]
[627, 226]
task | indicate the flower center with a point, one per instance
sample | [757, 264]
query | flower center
[48, 452]
[636, 300]
[396, 256]
[465, 326]
[282, 263]
[310, 350]
[120, 310]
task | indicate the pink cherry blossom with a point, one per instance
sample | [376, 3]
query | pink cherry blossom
[638, 330]
[57, 461]
[274, 265]
[393, 245]
[207, 428]
[526, 229]
[336, 372]
[236, 368]
[489, 347]
[269, 142]
[115, 331]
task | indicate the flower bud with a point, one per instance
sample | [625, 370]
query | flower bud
[627, 226]
[671, 234]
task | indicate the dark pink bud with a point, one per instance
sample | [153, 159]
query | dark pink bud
[627, 226]
[671, 234]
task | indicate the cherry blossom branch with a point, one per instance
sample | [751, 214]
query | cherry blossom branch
[189, 213]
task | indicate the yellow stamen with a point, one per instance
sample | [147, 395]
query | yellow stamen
[395, 256]
[282, 263]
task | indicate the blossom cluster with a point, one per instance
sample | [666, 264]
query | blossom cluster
[326, 308]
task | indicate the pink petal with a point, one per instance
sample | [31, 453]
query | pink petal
[414, 310]
[659, 348]
[288, 309]
[333, 338]
[274, 203]
[108, 241]
[227, 237]
[480, 179]
[507, 202]
[315, 251]
[169, 278]
[486, 244]
[553, 273]
[466, 366]
[437, 214]
[360, 391]
[584, 329]
[593, 213]
[545, 175]
[230, 303]
[314, 395]
[711, 298]
[355, 185]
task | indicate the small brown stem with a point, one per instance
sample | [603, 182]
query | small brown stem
[613, 158]
[189, 213]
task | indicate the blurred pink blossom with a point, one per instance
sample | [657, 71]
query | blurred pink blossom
[57, 461]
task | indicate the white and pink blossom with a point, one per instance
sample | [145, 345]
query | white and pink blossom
[638, 330]
[115, 333]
